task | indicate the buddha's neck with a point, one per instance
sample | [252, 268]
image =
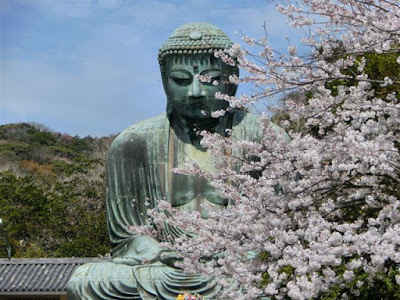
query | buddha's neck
[188, 129]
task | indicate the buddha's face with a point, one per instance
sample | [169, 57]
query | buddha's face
[187, 94]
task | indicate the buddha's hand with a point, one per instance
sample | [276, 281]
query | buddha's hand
[170, 259]
[130, 261]
[212, 257]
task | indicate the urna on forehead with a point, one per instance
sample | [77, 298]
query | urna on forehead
[193, 39]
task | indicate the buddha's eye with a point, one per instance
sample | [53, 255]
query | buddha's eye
[213, 74]
[181, 77]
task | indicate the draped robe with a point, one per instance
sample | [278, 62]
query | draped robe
[137, 173]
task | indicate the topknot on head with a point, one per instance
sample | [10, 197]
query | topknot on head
[194, 38]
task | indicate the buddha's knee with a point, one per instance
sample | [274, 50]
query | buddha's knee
[104, 280]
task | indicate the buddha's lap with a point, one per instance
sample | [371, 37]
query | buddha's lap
[108, 280]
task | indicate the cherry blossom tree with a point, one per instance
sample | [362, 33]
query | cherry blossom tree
[318, 216]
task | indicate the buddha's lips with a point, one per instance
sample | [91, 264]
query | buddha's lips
[197, 99]
[197, 104]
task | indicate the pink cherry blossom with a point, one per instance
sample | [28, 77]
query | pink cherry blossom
[324, 201]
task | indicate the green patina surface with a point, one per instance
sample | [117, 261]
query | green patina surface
[139, 171]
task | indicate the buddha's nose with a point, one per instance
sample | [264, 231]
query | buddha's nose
[196, 88]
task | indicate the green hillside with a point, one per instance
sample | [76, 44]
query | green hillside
[52, 192]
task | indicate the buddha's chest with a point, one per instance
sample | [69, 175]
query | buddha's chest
[190, 192]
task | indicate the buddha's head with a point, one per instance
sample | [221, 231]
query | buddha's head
[189, 52]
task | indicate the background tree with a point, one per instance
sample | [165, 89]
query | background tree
[52, 192]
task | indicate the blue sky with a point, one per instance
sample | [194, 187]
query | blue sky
[89, 67]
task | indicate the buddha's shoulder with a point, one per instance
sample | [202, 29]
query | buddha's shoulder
[141, 131]
[250, 126]
[243, 119]
[151, 124]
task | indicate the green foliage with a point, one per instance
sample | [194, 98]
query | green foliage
[288, 270]
[80, 145]
[61, 220]
[23, 205]
[27, 133]
[16, 148]
[52, 193]
[62, 167]
[377, 67]
[63, 151]
[265, 279]
[363, 287]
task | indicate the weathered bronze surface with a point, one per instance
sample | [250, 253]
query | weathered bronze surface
[139, 171]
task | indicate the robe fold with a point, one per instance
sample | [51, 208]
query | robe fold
[137, 173]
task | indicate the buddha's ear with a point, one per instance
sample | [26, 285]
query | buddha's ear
[164, 82]
[169, 108]
[234, 89]
[235, 71]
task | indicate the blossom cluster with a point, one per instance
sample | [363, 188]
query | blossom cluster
[188, 296]
[322, 210]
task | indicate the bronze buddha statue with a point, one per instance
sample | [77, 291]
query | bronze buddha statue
[138, 172]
